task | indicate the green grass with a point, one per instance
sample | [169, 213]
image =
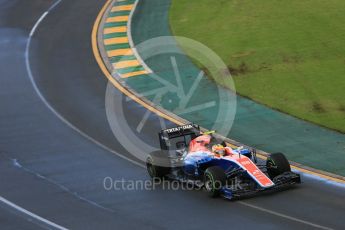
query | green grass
[289, 55]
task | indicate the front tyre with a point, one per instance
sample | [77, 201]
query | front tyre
[277, 164]
[214, 180]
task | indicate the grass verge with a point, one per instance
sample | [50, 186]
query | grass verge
[288, 55]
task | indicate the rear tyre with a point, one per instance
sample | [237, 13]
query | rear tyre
[214, 179]
[157, 165]
[277, 164]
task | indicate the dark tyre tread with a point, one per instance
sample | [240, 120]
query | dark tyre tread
[280, 164]
[157, 164]
[217, 178]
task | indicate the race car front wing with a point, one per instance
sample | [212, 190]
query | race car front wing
[281, 182]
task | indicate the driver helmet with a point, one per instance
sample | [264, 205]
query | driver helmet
[218, 149]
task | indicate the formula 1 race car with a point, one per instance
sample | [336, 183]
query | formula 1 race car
[190, 156]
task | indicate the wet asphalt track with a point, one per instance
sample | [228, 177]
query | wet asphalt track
[58, 174]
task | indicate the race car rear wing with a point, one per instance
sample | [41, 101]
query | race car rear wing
[165, 135]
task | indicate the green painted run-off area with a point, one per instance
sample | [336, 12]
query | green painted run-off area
[255, 124]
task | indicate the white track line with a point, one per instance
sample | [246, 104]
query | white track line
[3, 200]
[28, 67]
[32, 215]
[284, 216]
[29, 71]
[33, 30]
[130, 39]
[46, 103]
